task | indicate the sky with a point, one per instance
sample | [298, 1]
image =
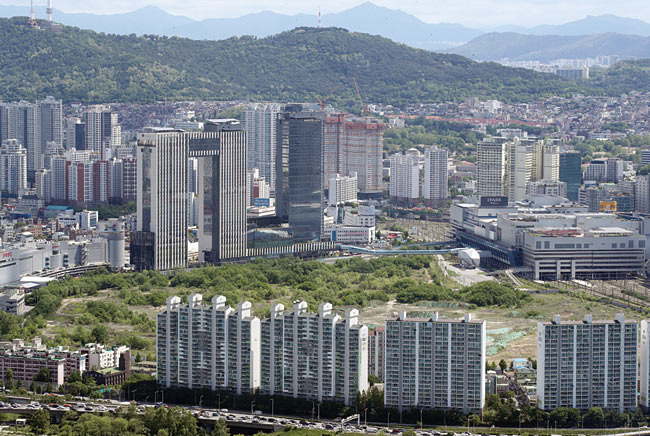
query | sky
[475, 13]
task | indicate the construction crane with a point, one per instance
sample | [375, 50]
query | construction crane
[364, 109]
[323, 101]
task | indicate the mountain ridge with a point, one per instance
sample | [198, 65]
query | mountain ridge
[304, 64]
[545, 48]
[367, 17]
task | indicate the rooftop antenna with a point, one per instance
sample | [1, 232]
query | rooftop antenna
[32, 16]
[49, 11]
[320, 22]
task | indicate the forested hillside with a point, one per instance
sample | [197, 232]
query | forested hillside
[303, 64]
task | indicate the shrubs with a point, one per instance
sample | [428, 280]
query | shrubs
[493, 294]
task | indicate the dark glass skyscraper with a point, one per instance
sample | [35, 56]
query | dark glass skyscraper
[571, 173]
[299, 171]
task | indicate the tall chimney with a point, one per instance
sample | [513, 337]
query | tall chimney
[49, 11]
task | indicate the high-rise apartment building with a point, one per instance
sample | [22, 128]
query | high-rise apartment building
[645, 157]
[377, 352]
[585, 364]
[342, 189]
[520, 169]
[404, 179]
[570, 172]
[361, 153]
[260, 124]
[13, 167]
[491, 168]
[435, 189]
[299, 171]
[644, 366]
[101, 129]
[23, 125]
[333, 145]
[208, 347]
[435, 364]
[314, 356]
[50, 118]
[642, 194]
[355, 146]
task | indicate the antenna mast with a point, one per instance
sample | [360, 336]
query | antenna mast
[32, 16]
[49, 11]
[320, 21]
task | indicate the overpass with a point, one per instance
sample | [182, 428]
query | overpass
[392, 252]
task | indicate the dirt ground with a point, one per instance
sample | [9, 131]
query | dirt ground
[511, 332]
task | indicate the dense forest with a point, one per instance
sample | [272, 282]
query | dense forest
[303, 64]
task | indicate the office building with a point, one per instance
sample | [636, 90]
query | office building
[259, 121]
[491, 168]
[314, 356]
[13, 167]
[404, 179]
[299, 171]
[342, 189]
[585, 364]
[435, 189]
[570, 172]
[435, 364]
[208, 347]
[221, 184]
[160, 241]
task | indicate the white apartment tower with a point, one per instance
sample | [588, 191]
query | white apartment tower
[404, 179]
[377, 352]
[208, 347]
[314, 356]
[13, 167]
[259, 124]
[520, 169]
[644, 367]
[435, 364]
[491, 169]
[585, 364]
[342, 189]
[436, 176]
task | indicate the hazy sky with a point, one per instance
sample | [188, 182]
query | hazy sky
[477, 13]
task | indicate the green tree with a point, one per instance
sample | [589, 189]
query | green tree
[9, 379]
[594, 418]
[503, 365]
[40, 421]
[100, 333]
[43, 375]
[220, 428]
